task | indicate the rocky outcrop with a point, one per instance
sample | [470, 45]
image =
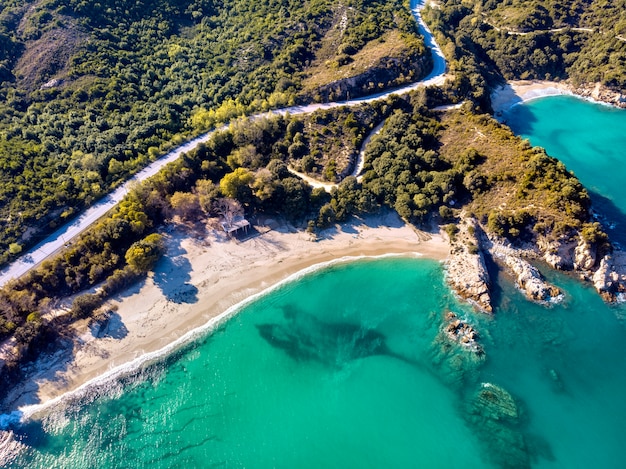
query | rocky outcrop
[462, 333]
[585, 256]
[609, 279]
[599, 92]
[468, 277]
[527, 276]
[558, 254]
[389, 72]
[466, 271]
[607, 273]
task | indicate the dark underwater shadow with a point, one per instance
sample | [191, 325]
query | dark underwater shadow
[519, 118]
[611, 216]
[303, 337]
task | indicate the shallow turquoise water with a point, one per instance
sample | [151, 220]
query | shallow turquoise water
[354, 374]
[332, 371]
[347, 367]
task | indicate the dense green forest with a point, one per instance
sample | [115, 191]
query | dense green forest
[92, 91]
[488, 42]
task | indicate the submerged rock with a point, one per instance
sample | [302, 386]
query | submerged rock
[495, 403]
[496, 417]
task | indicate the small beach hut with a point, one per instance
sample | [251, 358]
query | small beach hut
[232, 227]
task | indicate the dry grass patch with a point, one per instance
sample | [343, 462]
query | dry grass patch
[512, 177]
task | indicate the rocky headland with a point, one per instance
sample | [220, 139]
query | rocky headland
[467, 274]
[466, 270]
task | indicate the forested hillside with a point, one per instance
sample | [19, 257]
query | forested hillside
[92, 91]
[488, 41]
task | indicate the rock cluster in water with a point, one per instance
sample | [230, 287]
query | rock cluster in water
[462, 333]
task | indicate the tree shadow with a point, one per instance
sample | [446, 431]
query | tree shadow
[130, 290]
[385, 218]
[519, 118]
[612, 218]
[112, 326]
[23, 385]
[172, 274]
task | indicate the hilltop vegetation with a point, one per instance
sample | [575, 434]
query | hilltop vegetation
[488, 42]
[92, 91]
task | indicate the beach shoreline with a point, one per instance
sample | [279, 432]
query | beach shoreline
[199, 281]
[520, 91]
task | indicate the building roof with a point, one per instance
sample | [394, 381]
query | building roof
[235, 225]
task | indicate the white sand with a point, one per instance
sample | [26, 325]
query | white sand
[200, 279]
[518, 91]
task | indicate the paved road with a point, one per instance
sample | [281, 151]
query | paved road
[63, 235]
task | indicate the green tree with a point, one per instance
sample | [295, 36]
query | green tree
[143, 254]
[185, 204]
[233, 184]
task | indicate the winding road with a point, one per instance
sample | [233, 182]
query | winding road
[57, 240]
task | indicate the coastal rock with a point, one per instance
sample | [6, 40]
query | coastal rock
[599, 92]
[559, 254]
[585, 256]
[462, 333]
[528, 277]
[466, 271]
[610, 277]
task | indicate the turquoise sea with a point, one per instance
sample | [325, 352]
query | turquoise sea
[347, 367]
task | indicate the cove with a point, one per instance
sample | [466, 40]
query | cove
[347, 367]
[590, 139]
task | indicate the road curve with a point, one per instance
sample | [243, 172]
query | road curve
[66, 233]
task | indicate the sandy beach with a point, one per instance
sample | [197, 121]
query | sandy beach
[518, 91]
[199, 279]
